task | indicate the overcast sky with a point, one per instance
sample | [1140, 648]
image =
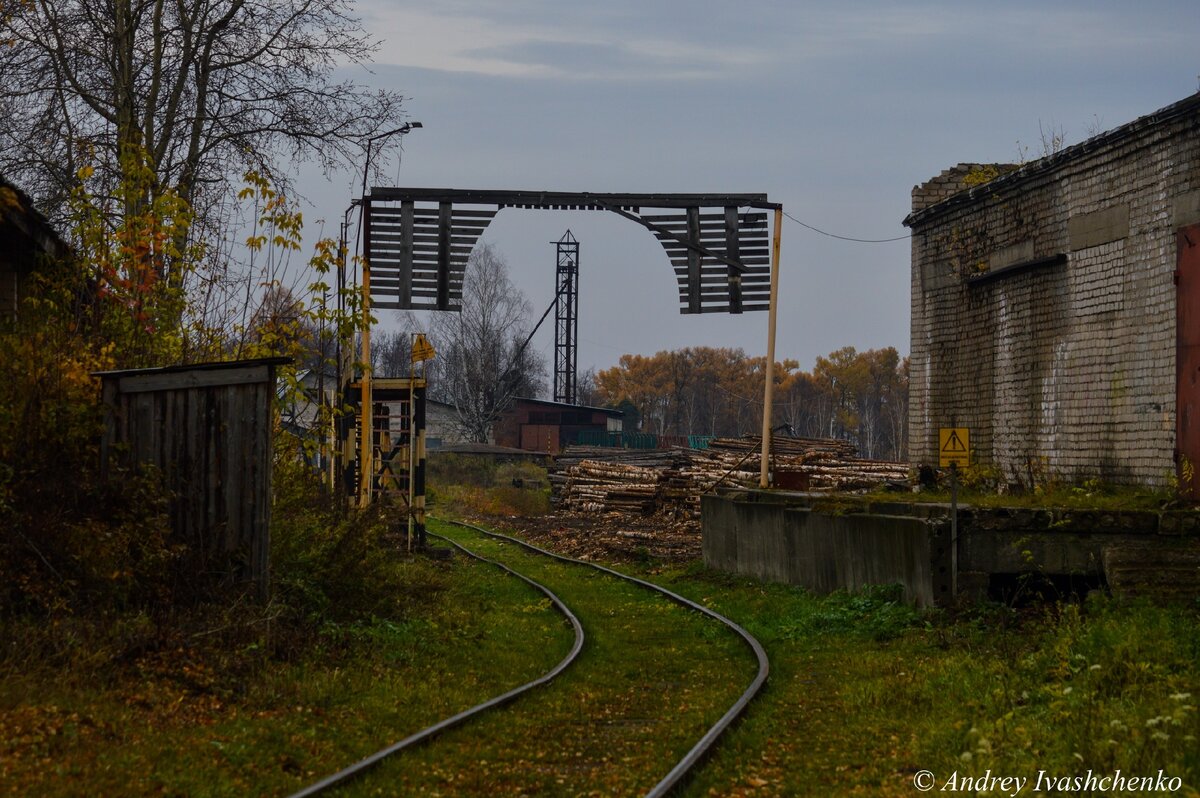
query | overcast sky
[835, 110]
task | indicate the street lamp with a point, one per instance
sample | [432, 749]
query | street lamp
[405, 128]
[366, 470]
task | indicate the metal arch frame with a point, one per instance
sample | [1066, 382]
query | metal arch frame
[421, 238]
[625, 205]
[570, 200]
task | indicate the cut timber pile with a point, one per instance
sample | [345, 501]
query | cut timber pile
[644, 458]
[593, 480]
[804, 447]
[596, 486]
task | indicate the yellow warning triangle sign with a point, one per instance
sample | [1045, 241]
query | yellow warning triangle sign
[954, 446]
[422, 349]
[954, 443]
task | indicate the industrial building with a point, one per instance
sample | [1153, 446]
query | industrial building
[1056, 307]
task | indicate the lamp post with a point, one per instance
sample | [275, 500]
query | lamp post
[407, 127]
[366, 432]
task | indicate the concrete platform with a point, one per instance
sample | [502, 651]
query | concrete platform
[829, 543]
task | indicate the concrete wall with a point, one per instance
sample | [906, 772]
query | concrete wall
[841, 543]
[824, 553]
[1065, 363]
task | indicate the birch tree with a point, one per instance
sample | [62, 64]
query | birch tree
[482, 363]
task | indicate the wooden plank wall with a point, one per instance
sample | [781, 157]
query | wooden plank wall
[208, 431]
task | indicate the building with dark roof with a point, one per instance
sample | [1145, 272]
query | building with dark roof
[26, 240]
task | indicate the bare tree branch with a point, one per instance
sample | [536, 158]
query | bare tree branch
[209, 88]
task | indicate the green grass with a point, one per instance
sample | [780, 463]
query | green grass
[981, 486]
[172, 723]
[651, 679]
[864, 692]
[471, 485]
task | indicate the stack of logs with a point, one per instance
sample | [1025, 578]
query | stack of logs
[593, 479]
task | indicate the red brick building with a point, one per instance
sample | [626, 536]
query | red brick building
[539, 425]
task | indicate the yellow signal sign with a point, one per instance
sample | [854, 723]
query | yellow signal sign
[422, 349]
[954, 446]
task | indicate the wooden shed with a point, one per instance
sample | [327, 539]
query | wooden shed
[208, 429]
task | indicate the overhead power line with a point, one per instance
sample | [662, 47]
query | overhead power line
[846, 238]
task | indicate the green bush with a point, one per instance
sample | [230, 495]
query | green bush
[328, 562]
[458, 469]
[877, 612]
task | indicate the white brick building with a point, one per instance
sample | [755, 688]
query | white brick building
[1044, 306]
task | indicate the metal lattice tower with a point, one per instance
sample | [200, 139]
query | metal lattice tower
[566, 319]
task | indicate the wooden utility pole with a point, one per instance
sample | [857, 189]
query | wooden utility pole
[769, 388]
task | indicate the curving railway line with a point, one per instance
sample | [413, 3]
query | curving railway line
[673, 777]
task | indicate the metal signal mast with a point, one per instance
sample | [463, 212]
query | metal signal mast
[566, 319]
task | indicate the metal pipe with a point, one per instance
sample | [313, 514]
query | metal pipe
[366, 467]
[366, 426]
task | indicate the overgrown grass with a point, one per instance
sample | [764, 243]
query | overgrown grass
[986, 486]
[358, 645]
[362, 645]
[476, 486]
[179, 721]
[652, 677]
[865, 692]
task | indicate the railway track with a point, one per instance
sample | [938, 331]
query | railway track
[667, 782]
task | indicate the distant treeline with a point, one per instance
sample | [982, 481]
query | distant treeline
[856, 396]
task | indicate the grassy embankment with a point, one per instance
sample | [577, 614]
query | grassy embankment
[358, 647]
[361, 646]
[207, 718]
[864, 692]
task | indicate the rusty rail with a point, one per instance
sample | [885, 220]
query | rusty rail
[363, 765]
[697, 752]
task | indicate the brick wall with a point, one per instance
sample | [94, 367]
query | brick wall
[1043, 305]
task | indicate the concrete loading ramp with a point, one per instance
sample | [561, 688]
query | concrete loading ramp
[844, 543]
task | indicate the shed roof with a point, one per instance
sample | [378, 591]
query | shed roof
[214, 366]
[567, 406]
[25, 233]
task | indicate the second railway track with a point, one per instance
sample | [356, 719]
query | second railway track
[659, 681]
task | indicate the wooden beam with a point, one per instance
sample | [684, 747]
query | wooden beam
[692, 247]
[581, 200]
[769, 387]
[406, 252]
[733, 250]
[140, 383]
[445, 225]
[693, 284]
